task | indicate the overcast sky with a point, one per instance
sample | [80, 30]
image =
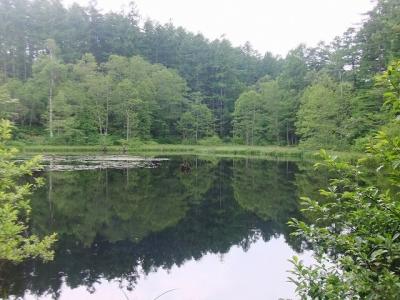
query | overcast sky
[269, 25]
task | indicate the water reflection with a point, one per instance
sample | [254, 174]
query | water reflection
[117, 227]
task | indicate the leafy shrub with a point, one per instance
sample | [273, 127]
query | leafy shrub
[16, 244]
[355, 230]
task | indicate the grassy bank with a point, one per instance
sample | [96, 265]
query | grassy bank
[272, 152]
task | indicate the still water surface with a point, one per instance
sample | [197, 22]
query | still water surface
[183, 228]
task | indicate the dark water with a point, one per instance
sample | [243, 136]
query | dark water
[214, 230]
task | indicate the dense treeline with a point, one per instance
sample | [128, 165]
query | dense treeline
[88, 77]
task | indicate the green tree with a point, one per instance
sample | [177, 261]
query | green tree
[355, 226]
[264, 114]
[32, 97]
[68, 102]
[277, 106]
[324, 108]
[96, 90]
[128, 104]
[170, 95]
[249, 110]
[49, 72]
[196, 123]
[16, 244]
[8, 105]
[378, 40]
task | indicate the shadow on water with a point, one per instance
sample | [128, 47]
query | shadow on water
[118, 224]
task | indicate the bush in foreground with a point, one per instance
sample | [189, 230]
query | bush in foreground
[355, 230]
[16, 243]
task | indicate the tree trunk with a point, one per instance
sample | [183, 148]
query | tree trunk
[100, 127]
[127, 126]
[31, 116]
[197, 127]
[98, 112]
[215, 114]
[287, 134]
[107, 108]
[221, 113]
[51, 106]
[252, 127]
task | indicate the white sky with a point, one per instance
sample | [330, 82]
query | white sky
[269, 25]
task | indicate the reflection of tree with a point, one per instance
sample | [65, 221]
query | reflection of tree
[267, 189]
[119, 222]
[115, 205]
[202, 176]
[309, 180]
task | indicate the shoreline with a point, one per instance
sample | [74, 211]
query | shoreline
[268, 152]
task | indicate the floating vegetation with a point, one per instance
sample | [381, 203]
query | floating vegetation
[94, 162]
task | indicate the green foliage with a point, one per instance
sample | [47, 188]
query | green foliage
[210, 141]
[355, 230]
[215, 69]
[391, 81]
[265, 115]
[247, 121]
[323, 113]
[65, 67]
[196, 123]
[84, 103]
[16, 244]
[378, 40]
[8, 106]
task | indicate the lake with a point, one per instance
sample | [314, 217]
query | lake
[165, 228]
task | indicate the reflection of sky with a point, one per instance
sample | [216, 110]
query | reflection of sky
[259, 273]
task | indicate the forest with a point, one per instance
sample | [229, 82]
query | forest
[76, 76]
